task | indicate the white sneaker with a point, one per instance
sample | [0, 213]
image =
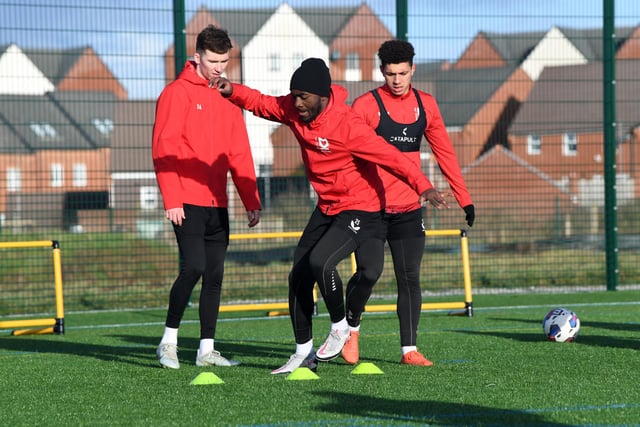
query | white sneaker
[297, 361]
[168, 356]
[214, 358]
[333, 345]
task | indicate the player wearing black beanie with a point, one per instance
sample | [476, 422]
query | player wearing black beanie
[313, 77]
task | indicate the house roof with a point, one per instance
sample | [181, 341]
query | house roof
[503, 165]
[249, 20]
[569, 99]
[92, 112]
[131, 147]
[325, 22]
[55, 63]
[38, 123]
[589, 41]
[461, 92]
[514, 47]
[10, 139]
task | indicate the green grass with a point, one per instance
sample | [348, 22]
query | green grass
[495, 368]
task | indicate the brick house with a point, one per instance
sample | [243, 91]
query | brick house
[48, 156]
[563, 120]
[56, 135]
[76, 69]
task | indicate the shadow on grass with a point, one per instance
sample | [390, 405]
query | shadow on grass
[429, 412]
[127, 354]
[584, 338]
[140, 350]
[614, 326]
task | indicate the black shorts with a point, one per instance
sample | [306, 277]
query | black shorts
[404, 225]
[362, 225]
[359, 225]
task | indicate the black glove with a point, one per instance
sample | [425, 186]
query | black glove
[471, 214]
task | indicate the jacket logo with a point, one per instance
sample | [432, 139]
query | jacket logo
[404, 132]
[198, 106]
[323, 145]
[355, 225]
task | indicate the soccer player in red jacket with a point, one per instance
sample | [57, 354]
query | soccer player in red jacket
[198, 137]
[340, 152]
[402, 115]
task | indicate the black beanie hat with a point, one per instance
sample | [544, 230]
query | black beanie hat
[312, 76]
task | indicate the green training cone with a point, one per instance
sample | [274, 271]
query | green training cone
[206, 378]
[366, 368]
[302, 374]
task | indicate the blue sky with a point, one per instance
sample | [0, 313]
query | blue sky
[132, 35]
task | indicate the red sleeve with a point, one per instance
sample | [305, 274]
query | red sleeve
[364, 143]
[367, 108]
[171, 110]
[268, 107]
[442, 149]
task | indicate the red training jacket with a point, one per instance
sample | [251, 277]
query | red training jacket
[198, 137]
[404, 109]
[339, 151]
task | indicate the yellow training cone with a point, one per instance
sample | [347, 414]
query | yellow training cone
[302, 374]
[206, 378]
[366, 368]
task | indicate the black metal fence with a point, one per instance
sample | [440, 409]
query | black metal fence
[520, 88]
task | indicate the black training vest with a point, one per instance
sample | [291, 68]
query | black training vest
[405, 137]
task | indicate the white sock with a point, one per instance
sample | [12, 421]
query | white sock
[354, 328]
[341, 325]
[408, 349]
[206, 346]
[170, 336]
[304, 348]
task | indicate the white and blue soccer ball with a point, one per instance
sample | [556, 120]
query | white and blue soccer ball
[561, 325]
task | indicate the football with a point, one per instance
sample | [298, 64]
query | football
[561, 325]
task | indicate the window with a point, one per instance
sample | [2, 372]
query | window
[43, 130]
[149, 197]
[352, 72]
[57, 175]
[569, 144]
[14, 179]
[104, 126]
[274, 62]
[534, 145]
[79, 175]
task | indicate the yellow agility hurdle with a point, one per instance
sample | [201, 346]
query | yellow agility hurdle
[48, 326]
[466, 306]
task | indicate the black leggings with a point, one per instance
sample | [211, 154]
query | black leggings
[202, 240]
[405, 235]
[325, 242]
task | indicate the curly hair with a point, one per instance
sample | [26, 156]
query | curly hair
[396, 52]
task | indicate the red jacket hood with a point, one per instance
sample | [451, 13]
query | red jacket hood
[190, 74]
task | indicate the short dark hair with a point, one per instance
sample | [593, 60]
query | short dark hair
[214, 39]
[396, 52]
